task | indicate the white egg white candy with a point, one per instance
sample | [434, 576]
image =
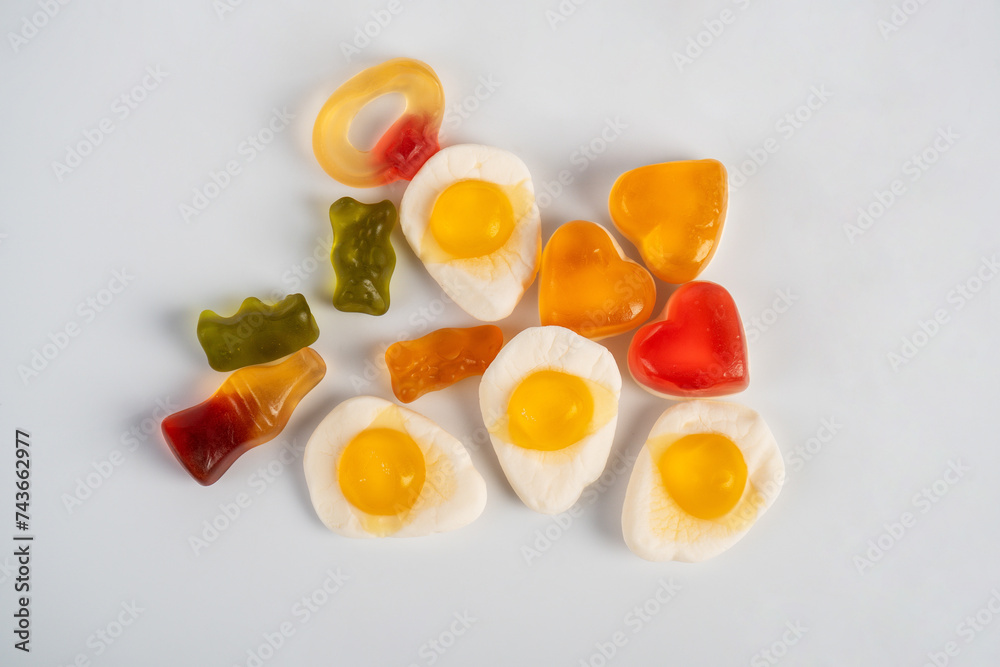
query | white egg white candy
[453, 495]
[488, 287]
[656, 528]
[550, 482]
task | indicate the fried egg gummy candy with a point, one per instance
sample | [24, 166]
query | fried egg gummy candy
[673, 212]
[588, 285]
[251, 407]
[375, 469]
[470, 216]
[440, 359]
[405, 146]
[362, 255]
[707, 472]
[550, 404]
[257, 333]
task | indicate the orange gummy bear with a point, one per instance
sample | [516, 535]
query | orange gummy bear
[404, 147]
[587, 284]
[673, 212]
[440, 359]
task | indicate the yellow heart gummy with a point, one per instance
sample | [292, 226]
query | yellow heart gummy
[673, 212]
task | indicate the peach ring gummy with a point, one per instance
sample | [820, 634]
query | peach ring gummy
[673, 212]
[404, 147]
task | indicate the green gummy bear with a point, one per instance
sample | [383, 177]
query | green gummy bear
[362, 255]
[257, 333]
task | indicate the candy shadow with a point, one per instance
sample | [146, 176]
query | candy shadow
[629, 439]
[154, 445]
[306, 109]
[305, 424]
[320, 283]
[181, 325]
[477, 440]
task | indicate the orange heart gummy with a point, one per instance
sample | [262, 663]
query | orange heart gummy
[588, 285]
[673, 212]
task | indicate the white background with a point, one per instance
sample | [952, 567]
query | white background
[557, 83]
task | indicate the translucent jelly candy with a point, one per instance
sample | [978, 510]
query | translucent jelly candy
[251, 407]
[404, 147]
[257, 333]
[588, 285]
[697, 349]
[440, 359]
[362, 255]
[673, 212]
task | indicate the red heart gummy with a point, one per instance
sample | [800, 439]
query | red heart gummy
[697, 348]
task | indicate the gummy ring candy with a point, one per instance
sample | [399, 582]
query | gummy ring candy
[404, 147]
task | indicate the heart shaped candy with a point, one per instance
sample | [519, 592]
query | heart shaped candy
[673, 212]
[586, 283]
[697, 349]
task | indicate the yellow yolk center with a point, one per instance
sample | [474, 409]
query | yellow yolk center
[472, 218]
[381, 471]
[705, 473]
[550, 410]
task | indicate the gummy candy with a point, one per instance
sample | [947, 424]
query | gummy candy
[362, 255]
[586, 283]
[404, 147]
[440, 359]
[697, 349]
[251, 407]
[674, 213]
[470, 216]
[257, 333]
